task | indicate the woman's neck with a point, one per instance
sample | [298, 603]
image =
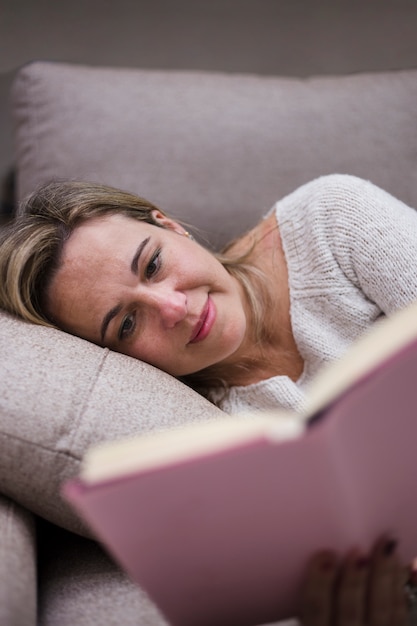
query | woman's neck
[277, 352]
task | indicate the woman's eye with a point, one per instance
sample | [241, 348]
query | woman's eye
[153, 265]
[127, 327]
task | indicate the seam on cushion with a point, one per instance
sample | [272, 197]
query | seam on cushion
[10, 516]
[22, 118]
[11, 510]
[35, 85]
[36, 124]
[32, 86]
[87, 397]
[38, 446]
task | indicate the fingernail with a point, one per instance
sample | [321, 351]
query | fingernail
[390, 546]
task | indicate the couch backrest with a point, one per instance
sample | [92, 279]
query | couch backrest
[215, 150]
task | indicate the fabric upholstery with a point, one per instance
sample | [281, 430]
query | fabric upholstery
[59, 395]
[208, 147]
[18, 575]
[81, 586]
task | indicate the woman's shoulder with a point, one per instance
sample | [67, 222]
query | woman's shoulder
[332, 183]
[336, 190]
[331, 204]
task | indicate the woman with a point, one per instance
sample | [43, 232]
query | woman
[251, 326]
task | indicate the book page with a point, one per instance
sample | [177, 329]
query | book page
[113, 459]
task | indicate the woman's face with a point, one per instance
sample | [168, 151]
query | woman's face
[149, 292]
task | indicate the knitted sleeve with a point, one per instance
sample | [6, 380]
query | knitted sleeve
[375, 239]
[372, 237]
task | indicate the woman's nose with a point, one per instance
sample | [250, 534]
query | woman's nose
[169, 305]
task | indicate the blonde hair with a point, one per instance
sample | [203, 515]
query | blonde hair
[31, 247]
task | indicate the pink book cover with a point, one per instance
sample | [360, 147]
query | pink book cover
[224, 539]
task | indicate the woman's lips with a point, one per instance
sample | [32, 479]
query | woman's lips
[205, 323]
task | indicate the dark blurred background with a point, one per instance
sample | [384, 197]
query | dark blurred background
[280, 37]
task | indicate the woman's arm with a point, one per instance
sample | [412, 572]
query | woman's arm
[373, 237]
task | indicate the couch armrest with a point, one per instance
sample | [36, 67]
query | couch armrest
[18, 587]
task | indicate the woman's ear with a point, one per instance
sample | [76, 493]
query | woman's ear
[166, 222]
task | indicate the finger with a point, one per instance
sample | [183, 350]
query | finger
[410, 591]
[317, 597]
[400, 608]
[386, 597]
[352, 591]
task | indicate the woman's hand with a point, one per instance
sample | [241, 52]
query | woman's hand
[357, 591]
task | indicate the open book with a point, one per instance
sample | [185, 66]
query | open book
[217, 521]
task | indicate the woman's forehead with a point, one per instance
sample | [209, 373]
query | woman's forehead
[97, 240]
[103, 224]
[106, 231]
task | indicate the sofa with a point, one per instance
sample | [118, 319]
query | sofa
[216, 151]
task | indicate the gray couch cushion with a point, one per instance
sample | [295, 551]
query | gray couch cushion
[59, 395]
[81, 586]
[18, 575]
[216, 150]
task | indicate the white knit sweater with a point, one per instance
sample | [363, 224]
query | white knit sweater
[351, 251]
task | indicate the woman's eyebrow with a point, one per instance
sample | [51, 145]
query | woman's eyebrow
[136, 256]
[134, 267]
[108, 318]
